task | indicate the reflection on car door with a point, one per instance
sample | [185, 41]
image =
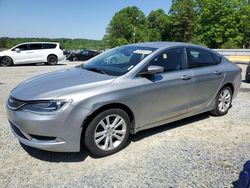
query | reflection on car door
[165, 95]
[21, 56]
[208, 77]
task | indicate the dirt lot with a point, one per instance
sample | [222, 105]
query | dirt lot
[201, 151]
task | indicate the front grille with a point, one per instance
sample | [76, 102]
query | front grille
[14, 104]
[17, 131]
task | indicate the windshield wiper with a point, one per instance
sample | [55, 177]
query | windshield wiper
[95, 70]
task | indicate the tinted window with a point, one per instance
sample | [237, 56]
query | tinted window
[92, 53]
[217, 59]
[49, 46]
[35, 46]
[22, 47]
[199, 58]
[170, 60]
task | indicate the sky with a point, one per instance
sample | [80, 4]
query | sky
[65, 18]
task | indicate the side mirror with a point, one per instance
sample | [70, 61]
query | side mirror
[17, 50]
[152, 70]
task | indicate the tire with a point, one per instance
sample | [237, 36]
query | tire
[223, 102]
[6, 61]
[52, 60]
[75, 59]
[113, 60]
[102, 138]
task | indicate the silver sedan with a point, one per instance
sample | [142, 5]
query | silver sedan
[100, 103]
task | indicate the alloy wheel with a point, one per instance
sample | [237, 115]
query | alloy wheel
[6, 61]
[110, 132]
[224, 100]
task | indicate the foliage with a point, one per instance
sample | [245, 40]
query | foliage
[213, 23]
[124, 25]
[183, 20]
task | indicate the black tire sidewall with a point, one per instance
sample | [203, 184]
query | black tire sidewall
[10, 64]
[52, 63]
[216, 110]
[89, 141]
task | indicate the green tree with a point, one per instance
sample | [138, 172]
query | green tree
[220, 22]
[159, 25]
[183, 17]
[129, 25]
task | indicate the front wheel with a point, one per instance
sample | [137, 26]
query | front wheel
[223, 102]
[107, 133]
[6, 61]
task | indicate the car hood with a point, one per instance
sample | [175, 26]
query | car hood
[3, 52]
[51, 85]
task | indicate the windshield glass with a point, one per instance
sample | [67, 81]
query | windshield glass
[118, 61]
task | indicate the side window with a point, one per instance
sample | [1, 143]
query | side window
[170, 60]
[199, 58]
[36, 46]
[84, 52]
[92, 53]
[217, 59]
[49, 46]
[22, 47]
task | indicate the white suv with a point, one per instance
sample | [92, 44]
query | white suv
[32, 52]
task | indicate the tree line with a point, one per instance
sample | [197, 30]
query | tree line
[213, 23]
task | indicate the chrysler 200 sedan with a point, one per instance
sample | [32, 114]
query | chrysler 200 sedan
[100, 103]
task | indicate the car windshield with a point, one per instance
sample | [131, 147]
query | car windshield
[118, 61]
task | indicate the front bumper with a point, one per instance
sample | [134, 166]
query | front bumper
[60, 132]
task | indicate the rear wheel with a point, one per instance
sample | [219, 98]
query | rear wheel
[75, 59]
[223, 102]
[107, 133]
[6, 61]
[52, 60]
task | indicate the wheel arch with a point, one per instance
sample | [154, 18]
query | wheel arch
[229, 84]
[121, 106]
[51, 55]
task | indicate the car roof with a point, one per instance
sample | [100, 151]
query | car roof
[39, 43]
[166, 44]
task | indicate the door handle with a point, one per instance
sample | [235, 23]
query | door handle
[217, 72]
[186, 77]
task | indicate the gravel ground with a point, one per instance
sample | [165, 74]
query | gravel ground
[201, 151]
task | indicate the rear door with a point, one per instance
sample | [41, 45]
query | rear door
[208, 76]
[37, 53]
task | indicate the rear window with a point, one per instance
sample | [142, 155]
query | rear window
[49, 46]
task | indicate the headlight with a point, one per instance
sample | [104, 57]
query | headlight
[45, 106]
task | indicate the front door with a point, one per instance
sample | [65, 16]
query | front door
[166, 95]
[22, 55]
